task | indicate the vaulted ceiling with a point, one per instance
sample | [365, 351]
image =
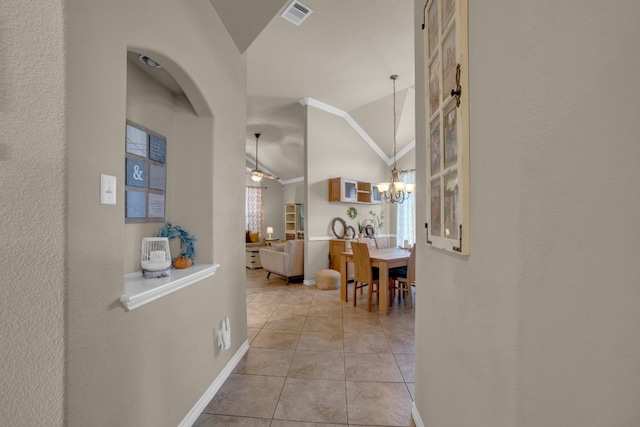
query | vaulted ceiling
[341, 56]
[339, 59]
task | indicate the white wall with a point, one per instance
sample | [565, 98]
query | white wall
[539, 325]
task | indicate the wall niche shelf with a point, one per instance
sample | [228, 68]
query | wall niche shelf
[352, 191]
[140, 291]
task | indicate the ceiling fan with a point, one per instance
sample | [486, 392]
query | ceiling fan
[257, 174]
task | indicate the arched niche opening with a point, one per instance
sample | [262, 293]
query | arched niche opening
[167, 101]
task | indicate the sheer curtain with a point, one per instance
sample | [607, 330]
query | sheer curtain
[406, 213]
[255, 209]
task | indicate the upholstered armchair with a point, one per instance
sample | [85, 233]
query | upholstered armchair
[284, 259]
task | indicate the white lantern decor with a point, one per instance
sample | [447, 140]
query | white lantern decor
[155, 257]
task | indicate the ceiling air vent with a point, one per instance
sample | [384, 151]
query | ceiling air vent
[296, 12]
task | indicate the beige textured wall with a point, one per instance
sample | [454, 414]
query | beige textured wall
[190, 181]
[148, 367]
[580, 295]
[32, 211]
[294, 192]
[539, 325]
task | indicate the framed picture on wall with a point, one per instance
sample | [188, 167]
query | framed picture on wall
[447, 105]
[136, 141]
[448, 9]
[157, 148]
[434, 87]
[433, 31]
[435, 147]
[145, 174]
[450, 123]
[135, 204]
[450, 207]
[449, 61]
[436, 207]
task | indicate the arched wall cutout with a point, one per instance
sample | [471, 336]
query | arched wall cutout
[181, 76]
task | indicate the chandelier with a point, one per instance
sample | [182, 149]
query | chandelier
[395, 191]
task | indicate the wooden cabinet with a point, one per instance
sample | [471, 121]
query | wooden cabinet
[342, 190]
[336, 247]
[294, 221]
[376, 197]
[352, 191]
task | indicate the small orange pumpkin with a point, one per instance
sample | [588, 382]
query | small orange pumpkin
[182, 262]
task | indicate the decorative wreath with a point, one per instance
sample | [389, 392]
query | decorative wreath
[350, 233]
[333, 227]
[369, 231]
[187, 241]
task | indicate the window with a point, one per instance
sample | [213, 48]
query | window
[255, 209]
[406, 213]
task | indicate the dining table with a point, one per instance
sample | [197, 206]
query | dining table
[384, 259]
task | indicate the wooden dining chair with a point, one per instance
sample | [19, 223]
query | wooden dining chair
[382, 242]
[369, 242]
[364, 273]
[404, 284]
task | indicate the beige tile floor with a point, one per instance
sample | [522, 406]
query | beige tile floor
[315, 361]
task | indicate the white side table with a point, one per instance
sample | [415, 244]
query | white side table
[253, 258]
[269, 241]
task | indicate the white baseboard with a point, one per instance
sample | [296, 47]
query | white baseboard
[202, 403]
[309, 282]
[416, 416]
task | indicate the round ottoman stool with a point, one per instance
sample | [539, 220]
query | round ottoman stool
[327, 279]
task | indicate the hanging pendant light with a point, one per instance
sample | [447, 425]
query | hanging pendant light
[257, 174]
[395, 191]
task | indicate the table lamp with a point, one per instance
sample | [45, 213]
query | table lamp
[269, 231]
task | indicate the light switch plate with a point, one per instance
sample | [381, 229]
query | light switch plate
[107, 189]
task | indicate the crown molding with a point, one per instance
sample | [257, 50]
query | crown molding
[356, 127]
